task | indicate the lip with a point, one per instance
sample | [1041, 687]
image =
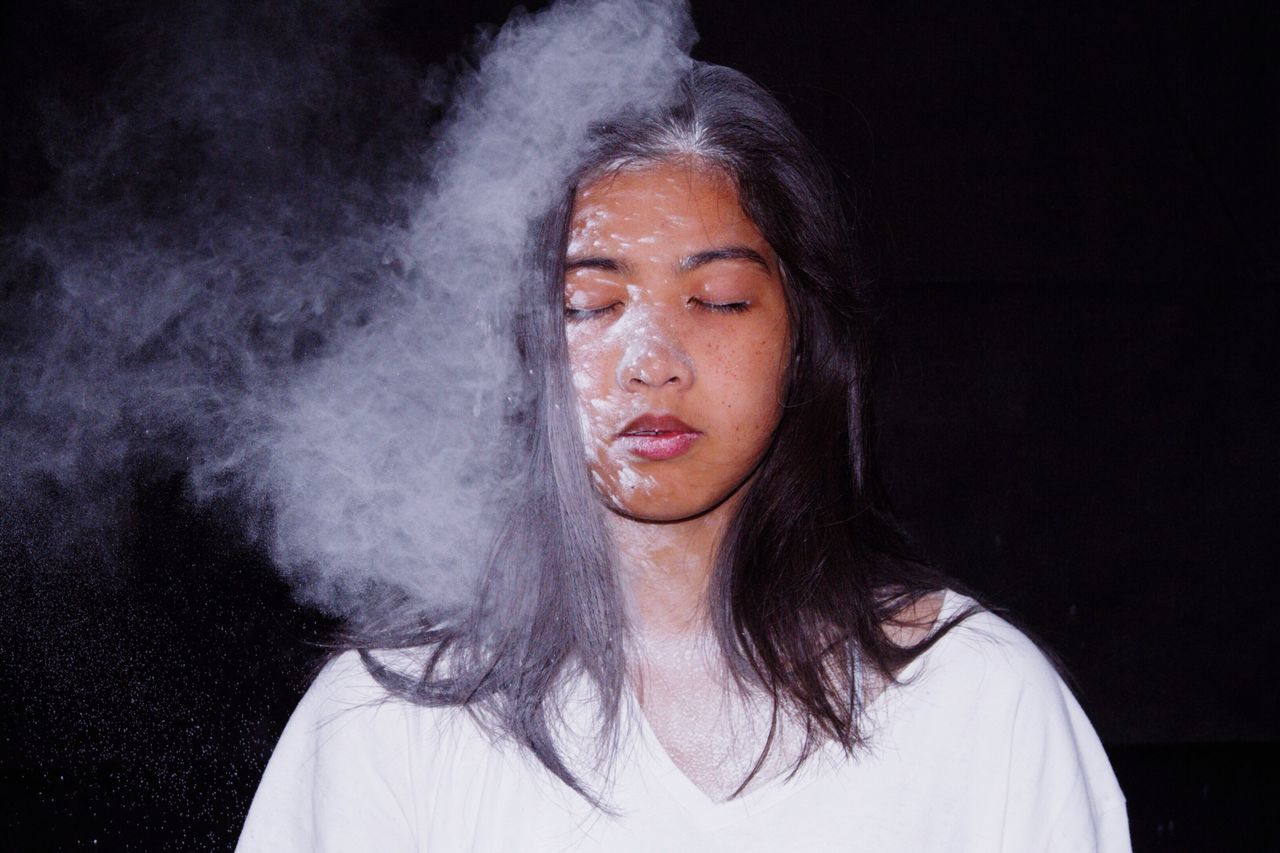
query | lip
[658, 437]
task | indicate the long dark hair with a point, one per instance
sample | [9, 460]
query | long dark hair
[813, 571]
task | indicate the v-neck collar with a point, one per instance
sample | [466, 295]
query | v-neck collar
[658, 768]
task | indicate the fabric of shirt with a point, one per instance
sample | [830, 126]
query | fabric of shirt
[983, 748]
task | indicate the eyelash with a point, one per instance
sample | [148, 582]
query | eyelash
[724, 307]
[577, 314]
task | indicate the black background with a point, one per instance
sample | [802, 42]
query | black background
[1073, 211]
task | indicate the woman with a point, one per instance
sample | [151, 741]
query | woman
[712, 633]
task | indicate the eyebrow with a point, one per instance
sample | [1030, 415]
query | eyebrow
[687, 264]
[595, 263]
[725, 253]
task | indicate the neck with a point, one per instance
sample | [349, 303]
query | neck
[666, 570]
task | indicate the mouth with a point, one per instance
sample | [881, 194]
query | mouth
[658, 437]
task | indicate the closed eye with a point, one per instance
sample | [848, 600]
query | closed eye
[721, 307]
[572, 314]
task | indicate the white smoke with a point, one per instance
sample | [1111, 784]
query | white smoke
[253, 272]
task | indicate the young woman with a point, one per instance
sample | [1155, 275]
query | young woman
[701, 628]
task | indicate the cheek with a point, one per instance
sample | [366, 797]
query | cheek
[772, 362]
[585, 356]
[750, 377]
[589, 368]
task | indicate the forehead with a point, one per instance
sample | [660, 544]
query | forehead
[672, 206]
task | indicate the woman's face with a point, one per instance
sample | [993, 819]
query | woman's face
[678, 338]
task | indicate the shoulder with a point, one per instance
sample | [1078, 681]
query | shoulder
[347, 719]
[345, 769]
[991, 697]
[989, 678]
[347, 709]
[344, 696]
[343, 682]
[985, 654]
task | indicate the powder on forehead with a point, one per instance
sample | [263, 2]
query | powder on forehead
[675, 181]
[694, 163]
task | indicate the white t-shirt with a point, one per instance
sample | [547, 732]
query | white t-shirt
[984, 749]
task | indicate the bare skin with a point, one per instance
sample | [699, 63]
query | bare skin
[707, 729]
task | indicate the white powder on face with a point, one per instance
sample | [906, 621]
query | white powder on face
[612, 351]
[632, 481]
[605, 404]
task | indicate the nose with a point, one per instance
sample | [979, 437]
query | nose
[654, 362]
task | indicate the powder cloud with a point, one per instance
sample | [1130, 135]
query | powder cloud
[281, 260]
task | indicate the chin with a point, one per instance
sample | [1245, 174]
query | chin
[657, 508]
[654, 515]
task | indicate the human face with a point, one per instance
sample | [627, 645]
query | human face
[678, 338]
